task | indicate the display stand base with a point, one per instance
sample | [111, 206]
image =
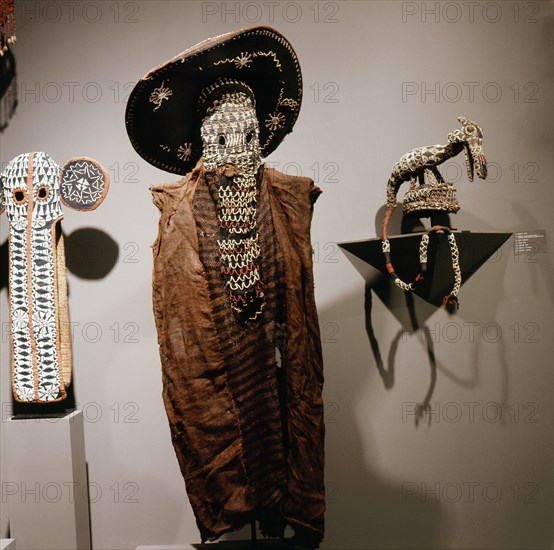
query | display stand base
[7, 544]
[475, 249]
[46, 485]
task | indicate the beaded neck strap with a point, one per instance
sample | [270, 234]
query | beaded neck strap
[450, 301]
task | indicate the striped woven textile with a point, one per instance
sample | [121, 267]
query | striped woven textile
[248, 434]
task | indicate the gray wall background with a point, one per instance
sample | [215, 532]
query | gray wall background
[380, 78]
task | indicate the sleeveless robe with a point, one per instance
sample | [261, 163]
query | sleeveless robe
[247, 426]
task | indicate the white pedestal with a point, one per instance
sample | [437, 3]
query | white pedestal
[7, 544]
[46, 486]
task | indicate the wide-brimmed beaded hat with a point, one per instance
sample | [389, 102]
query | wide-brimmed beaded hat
[166, 107]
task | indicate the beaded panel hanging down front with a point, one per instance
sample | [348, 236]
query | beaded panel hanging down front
[230, 135]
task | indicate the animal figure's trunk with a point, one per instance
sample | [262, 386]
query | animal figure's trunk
[41, 353]
[475, 160]
[39, 314]
[392, 191]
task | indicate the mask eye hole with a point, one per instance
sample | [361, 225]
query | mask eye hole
[221, 139]
[249, 136]
[42, 192]
[19, 196]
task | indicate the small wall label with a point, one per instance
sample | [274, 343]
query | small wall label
[526, 242]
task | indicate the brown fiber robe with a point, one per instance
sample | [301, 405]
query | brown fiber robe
[248, 434]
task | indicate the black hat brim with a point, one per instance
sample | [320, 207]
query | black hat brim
[162, 117]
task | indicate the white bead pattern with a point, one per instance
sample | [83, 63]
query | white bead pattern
[230, 137]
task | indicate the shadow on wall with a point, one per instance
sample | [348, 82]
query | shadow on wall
[90, 254]
[364, 510]
[384, 287]
[412, 313]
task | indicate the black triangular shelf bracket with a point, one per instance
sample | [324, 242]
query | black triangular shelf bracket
[475, 249]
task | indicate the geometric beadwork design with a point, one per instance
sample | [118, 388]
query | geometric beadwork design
[422, 162]
[230, 136]
[32, 197]
[33, 206]
[83, 184]
[425, 199]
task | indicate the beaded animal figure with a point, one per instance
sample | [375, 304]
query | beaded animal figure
[422, 162]
[438, 196]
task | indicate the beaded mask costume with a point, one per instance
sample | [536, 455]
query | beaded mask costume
[233, 290]
[33, 189]
[230, 134]
[424, 199]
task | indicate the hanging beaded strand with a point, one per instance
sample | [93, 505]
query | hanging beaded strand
[230, 137]
[450, 301]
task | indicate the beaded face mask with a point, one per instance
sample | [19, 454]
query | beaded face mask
[32, 190]
[230, 133]
[230, 136]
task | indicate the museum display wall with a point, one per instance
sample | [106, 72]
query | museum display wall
[438, 426]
